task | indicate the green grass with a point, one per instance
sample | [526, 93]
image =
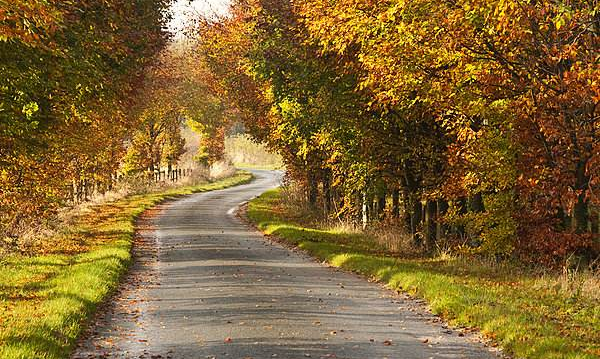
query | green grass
[46, 299]
[518, 311]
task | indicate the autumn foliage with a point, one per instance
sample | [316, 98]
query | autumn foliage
[473, 123]
[69, 72]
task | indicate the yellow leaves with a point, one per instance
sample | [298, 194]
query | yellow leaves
[30, 109]
[466, 134]
[563, 18]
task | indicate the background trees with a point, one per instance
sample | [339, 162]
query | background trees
[68, 71]
[472, 122]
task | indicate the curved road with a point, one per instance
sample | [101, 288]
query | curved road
[217, 289]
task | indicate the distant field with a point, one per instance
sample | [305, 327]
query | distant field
[245, 153]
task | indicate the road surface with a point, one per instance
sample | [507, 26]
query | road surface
[205, 285]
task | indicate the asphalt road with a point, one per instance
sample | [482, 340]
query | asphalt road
[205, 285]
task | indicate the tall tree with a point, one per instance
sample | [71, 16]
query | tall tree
[68, 72]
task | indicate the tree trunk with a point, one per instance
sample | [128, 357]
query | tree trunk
[396, 203]
[371, 208]
[74, 191]
[442, 207]
[326, 194]
[580, 214]
[407, 214]
[415, 220]
[430, 225]
[580, 211]
[312, 191]
[594, 221]
[381, 202]
[462, 210]
[563, 218]
[85, 189]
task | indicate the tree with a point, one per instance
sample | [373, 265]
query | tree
[69, 70]
[480, 116]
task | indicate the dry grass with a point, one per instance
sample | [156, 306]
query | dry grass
[395, 239]
[388, 235]
[573, 283]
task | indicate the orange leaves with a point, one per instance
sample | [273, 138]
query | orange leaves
[31, 22]
[491, 99]
[66, 87]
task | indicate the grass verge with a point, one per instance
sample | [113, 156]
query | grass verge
[526, 315]
[46, 299]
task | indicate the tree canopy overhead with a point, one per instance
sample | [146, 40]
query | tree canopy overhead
[476, 120]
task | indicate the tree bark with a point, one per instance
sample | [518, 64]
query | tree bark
[326, 194]
[430, 225]
[594, 224]
[415, 219]
[312, 191]
[476, 203]
[396, 203]
[381, 203]
[462, 205]
[580, 215]
[580, 211]
[74, 194]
